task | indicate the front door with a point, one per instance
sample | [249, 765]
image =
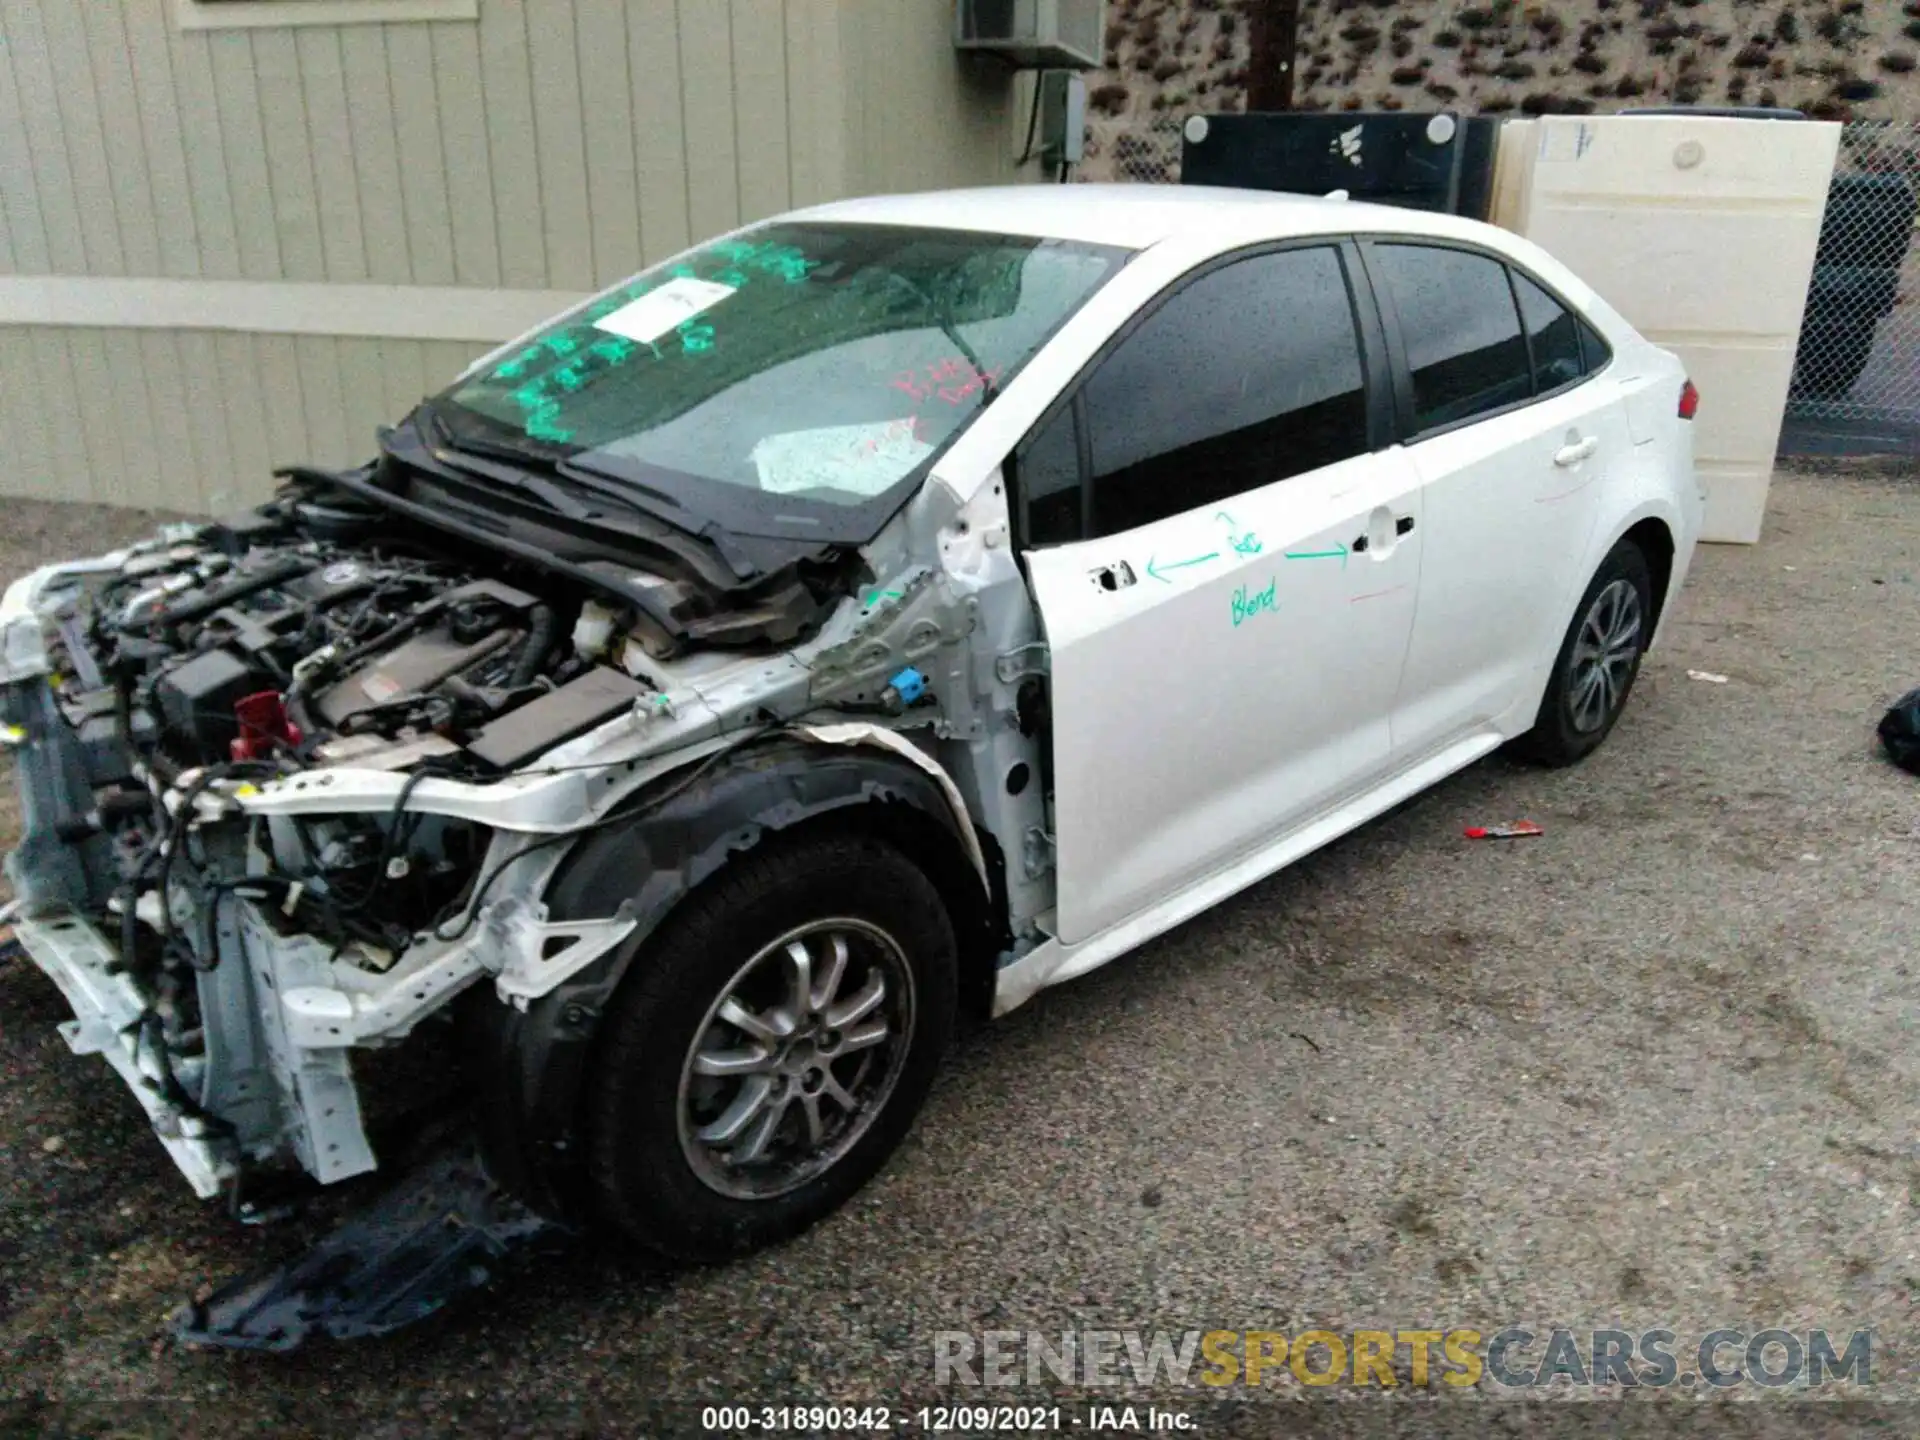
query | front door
[1228, 605]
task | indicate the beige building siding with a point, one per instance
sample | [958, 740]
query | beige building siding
[549, 147]
[196, 420]
[556, 146]
[925, 123]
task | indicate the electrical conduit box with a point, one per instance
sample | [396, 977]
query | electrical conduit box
[1702, 231]
[1063, 116]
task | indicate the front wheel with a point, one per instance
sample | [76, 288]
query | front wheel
[771, 1046]
[1594, 672]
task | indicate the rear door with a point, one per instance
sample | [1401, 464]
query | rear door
[1511, 434]
[1223, 656]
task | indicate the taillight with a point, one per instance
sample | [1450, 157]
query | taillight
[1689, 400]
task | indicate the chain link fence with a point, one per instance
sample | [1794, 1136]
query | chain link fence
[1144, 151]
[1859, 357]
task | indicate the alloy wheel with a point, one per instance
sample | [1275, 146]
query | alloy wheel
[1604, 654]
[796, 1058]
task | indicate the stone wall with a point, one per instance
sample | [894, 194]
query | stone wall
[1836, 59]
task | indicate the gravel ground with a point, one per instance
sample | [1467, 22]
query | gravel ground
[1652, 1070]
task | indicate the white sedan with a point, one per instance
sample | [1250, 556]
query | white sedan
[883, 611]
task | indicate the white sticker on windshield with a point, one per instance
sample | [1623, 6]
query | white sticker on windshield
[864, 460]
[658, 311]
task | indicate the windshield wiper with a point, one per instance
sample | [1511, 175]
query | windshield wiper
[472, 457]
[509, 465]
[617, 487]
[513, 478]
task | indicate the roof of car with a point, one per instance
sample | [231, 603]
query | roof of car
[1134, 216]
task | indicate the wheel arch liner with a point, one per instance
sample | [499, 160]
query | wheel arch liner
[529, 1063]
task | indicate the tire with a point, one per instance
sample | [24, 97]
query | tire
[669, 1162]
[1568, 727]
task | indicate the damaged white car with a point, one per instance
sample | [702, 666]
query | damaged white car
[865, 619]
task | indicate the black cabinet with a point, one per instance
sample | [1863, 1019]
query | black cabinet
[1423, 162]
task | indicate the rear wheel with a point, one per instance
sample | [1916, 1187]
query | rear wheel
[771, 1046]
[1597, 664]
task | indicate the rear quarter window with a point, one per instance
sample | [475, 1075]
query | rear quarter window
[1595, 353]
[1553, 331]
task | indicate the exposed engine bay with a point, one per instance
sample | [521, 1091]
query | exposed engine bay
[311, 635]
[326, 633]
[319, 632]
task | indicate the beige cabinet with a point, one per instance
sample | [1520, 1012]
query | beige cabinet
[1702, 232]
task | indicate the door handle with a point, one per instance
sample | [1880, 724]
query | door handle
[1579, 450]
[1402, 525]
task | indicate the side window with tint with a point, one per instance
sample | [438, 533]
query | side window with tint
[1594, 350]
[1462, 333]
[1047, 472]
[1247, 375]
[1554, 334]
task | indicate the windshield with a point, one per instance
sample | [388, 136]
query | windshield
[795, 380]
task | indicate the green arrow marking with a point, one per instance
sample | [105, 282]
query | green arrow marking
[1154, 567]
[1339, 552]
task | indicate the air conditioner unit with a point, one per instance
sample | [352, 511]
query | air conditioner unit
[1034, 34]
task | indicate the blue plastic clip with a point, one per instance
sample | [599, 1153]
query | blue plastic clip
[909, 685]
